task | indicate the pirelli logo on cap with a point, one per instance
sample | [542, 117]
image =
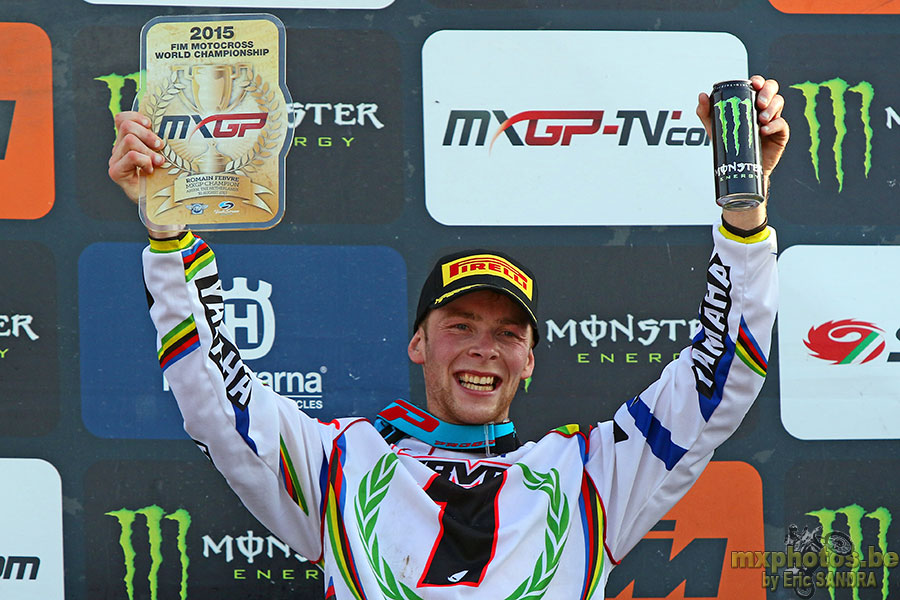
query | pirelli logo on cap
[486, 264]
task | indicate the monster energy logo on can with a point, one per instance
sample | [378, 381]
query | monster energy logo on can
[737, 161]
[854, 515]
[154, 516]
[837, 89]
[733, 106]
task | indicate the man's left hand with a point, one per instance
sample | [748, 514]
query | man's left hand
[774, 134]
[773, 129]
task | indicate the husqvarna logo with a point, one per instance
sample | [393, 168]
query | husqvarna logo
[257, 318]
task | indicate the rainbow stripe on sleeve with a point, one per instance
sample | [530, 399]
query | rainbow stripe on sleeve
[334, 522]
[289, 478]
[593, 525]
[195, 258]
[749, 352]
[178, 343]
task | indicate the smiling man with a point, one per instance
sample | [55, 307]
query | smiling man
[446, 502]
[474, 333]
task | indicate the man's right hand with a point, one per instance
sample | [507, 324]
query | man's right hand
[135, 151]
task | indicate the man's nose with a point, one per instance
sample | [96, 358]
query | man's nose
[484, 345]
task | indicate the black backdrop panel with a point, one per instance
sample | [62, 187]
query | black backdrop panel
[840, 167]
[209, 545]
[29, 367]
[615, 317]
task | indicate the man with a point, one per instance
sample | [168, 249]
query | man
[447, 503]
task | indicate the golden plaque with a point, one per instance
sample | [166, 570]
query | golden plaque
[214, 90]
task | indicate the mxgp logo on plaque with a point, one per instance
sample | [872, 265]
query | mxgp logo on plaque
[296, 321]
[842, 349]
[839, 168]
[590, 141]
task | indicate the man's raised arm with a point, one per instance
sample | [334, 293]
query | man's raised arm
[270, 452]
[660, 441]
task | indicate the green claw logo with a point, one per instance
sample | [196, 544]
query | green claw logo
[739, 120]
[854, 515]
[837, 89]
[154, 516]
[116, 83]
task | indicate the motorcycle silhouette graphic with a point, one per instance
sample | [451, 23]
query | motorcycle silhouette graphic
[807, 541]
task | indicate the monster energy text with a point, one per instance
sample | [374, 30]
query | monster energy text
[737, 162]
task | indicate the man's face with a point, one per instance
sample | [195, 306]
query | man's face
[474, 352]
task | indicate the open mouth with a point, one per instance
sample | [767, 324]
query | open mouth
[478, 383]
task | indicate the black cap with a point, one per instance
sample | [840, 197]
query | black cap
[461, 273]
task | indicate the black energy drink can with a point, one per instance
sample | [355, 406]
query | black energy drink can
[737, 159]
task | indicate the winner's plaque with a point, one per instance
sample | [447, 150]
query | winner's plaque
[214, 90]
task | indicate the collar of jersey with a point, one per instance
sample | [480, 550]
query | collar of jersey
[496, 438]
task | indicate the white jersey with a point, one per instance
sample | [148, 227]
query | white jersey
[408, 520]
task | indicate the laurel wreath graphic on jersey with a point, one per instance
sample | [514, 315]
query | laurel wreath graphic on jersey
[374, 487]
[555, 537]
[372, 490]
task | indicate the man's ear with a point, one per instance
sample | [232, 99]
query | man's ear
[416, 348]
[529, 366]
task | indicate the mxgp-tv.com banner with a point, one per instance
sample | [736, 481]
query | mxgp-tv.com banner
[576, 128]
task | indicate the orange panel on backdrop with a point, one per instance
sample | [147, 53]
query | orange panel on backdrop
[838, 7]
[27, 186]
[725, 503]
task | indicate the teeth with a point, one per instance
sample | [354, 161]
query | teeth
[481, 383]
[479, 379]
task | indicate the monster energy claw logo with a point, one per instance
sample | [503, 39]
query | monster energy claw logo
[116, 83]
[854, 515]
[733, 106]
[837, 89]
[154, 516]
